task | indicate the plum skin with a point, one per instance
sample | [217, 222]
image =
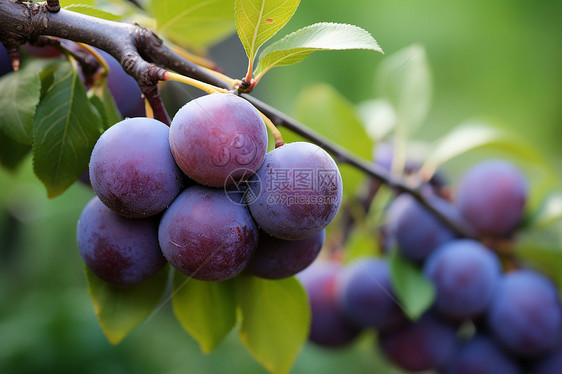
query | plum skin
[277, 258]
[525, 314]
[286, 212]
[491, 196]
[132, 169]
[365, 294]
[206, 236]
[328, 326]
[120, 251]
[416, 230]
[217, 138]
[465, 275]
[426, 344]
[481, 354]
[124, 88]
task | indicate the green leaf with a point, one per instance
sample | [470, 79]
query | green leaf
[404, 79]
[326, 111]
[324, 36]
[259, 20]
[21, 92]
[90, 10]
[415, 292]
[107, 107]
[206, 310]
[361, 243]
[120, 310]
[275, 320]
[473, 135]
[549, 212]
[379, 118]
[194, 23]
[544, 257]
[64, 133]
[65, 3]
[12, 153]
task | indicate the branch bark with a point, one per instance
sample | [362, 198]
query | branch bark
[144, 56]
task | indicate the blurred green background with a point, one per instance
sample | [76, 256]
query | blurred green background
[499, 60]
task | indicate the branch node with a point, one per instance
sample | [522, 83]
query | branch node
[53, 6]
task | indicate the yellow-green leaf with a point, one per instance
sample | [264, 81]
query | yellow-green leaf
[324, 36]
[93, 11]
[206, 310]
[326, 111]
[120, 310]
[194, 23]
[404, 79]
[259, 20]
[473, 135]
[275, 320]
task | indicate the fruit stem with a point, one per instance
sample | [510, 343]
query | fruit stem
[249, 74]
[148, 109]
[169, 76]
[274, 131]
[221, 76]
[99, 58]
[201, 61]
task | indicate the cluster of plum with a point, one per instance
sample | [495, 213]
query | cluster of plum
[486, 318]
[206, 196]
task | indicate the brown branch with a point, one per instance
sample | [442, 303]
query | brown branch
[137, 48]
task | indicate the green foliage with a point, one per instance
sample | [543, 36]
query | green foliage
[545, 257]
[549, 213]
[415, 293]
[474, 135]
[259, 20]
[120, 310]
[207, 310]
[404, 79]
[275, 320]
[104, 103]
[64, 132]
[12, 152]
[193, 23]
[326, 111]
[93, 11]
[324, 36]
[21, 92]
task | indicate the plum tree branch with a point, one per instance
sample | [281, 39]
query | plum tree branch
[144, 56]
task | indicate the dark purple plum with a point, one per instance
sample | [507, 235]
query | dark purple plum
[491, 196]
[300, 191]
[482, 355]
[132, 169]
[525, 313]
[206, 236]
[47, 51]
[277, 258]
[120, 251]
[218, 139]
[465, 275]
[416, 230]
[426, 344]
[365, 294]
[550, 363]
[328, 326]
[124, 88]
[5, 62]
